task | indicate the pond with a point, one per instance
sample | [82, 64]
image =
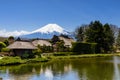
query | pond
[100, 68]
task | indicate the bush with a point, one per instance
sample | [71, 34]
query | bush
[5, 50]
[37, 52]
[10, 61]
[84, 48]
[63, 53]
[2, 45]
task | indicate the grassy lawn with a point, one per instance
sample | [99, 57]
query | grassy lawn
[17, 60]
[83, 56]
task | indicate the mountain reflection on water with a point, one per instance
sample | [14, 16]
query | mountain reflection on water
[101, 68]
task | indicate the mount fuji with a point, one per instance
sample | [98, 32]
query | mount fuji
[46, 32]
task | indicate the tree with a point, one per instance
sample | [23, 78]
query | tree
[11, 39]
[60, 45]
[118, 40]
[108, 38]
[6, 42]
[2, 45]
[95, 34]
[80, 33]
[101, 34]
[55, 39]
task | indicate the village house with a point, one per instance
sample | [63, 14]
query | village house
[41, 42]
[19, 48]
[67, 41]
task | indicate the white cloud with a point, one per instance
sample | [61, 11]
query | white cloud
[5, 33]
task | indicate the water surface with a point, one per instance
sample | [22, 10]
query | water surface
[102, 68]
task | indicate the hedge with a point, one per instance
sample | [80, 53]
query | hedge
[84, 48]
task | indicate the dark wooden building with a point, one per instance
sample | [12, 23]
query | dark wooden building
[21, 47]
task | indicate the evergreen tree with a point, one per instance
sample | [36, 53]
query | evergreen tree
[108, 38]
[95, 34]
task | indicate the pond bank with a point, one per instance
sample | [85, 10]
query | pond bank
[83, 56]
[17, 60]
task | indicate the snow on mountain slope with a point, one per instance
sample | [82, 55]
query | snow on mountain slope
[50, 28]
[46, 31]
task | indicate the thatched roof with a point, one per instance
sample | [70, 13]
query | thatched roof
[41, 43]
[21, 45]
[67, 41]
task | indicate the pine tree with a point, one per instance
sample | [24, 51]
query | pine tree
[95, 34]
[108, 38]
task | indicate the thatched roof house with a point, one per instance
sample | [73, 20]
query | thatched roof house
[21, 47]
[41, 43]
[67, 41]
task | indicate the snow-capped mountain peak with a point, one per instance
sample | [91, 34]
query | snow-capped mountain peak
[49, 28]
[45, 32]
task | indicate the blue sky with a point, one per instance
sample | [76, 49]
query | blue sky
[30, 15]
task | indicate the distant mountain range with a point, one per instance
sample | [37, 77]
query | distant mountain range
[47, 32]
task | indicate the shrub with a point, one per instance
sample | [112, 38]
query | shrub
[63, 53]
[2, 45]
[84, 48]
[10, 60]
[5, 50]
[37, 52]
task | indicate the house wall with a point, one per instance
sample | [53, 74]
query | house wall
[20, 52]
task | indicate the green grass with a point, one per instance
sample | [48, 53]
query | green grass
[82, 56]
[17, 60]
[10, 61]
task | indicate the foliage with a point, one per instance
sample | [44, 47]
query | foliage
[55, 39]
[63, 53]
[11, 39]
[5, 50]
[38, 51]
[45, 48]
[80, 33]
[100, 34]
[6, 42]
[2, 45]
[25, 55]
[35, 60]
[60, 46]
[118, 40]
[10, 61]
[84, 48]
[17, 60]
[108, 38]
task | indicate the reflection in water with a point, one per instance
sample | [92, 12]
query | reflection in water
[116, 69]
[48, 74]
[77, 69]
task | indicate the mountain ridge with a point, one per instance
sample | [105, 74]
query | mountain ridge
[47, 32]
[44, 32]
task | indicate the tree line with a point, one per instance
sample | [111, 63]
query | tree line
[106, 36]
